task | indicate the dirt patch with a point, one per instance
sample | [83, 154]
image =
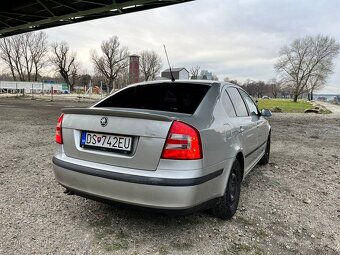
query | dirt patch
[290, 206]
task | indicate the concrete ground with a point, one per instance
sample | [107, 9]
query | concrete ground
[290, 206]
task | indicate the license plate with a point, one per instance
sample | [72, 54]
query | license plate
[106, 141]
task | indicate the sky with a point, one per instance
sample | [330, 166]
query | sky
[239, 39]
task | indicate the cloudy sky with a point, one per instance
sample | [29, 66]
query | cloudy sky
[239, 39]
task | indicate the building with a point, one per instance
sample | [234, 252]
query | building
[134, 69]
[178, 73]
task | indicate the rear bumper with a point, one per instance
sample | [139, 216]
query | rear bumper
[167, 192]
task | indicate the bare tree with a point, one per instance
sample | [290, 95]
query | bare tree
[306, 58]
[315, 83]
[150, 65]
[39, 49]
[194, 71]
[254, 88]
[65, 62]
[84, 79]
[227, 79]
[275, 87]
[113, 60]
[260, 88]
[215, 77]
[236, 82]
[7, 54]
[24, 55]
[99, 80]
[206, 75]
[6, 77]
[123, 78]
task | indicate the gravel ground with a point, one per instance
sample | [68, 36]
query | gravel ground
[290, 206]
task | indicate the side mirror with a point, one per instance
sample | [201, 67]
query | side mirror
[266, 113]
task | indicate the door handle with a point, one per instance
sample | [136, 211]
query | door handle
[241, 129]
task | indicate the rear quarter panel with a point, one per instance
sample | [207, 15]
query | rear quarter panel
[219, 137]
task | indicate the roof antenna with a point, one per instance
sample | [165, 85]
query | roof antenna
[166, 54]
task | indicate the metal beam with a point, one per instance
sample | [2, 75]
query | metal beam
[65, 5]
[46, 8]
[91, 2]
[7, 25]
[24, 14]
[9, 17]
[37, 21]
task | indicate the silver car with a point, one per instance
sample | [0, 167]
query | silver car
[177, 146]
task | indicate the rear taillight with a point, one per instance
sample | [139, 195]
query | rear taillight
[58, 131]
[183, 142]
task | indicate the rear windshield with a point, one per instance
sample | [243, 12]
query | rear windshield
[170, 97]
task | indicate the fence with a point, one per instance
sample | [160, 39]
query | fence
[50, 91]
[30, 87]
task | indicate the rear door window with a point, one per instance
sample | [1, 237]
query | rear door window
[170, 97]
[250, 103]
[227, 105]
[236, 99]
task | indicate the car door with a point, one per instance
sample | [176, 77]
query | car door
[262, 131]
[247, 127]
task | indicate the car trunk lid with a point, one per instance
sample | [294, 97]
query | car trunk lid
[147, 130]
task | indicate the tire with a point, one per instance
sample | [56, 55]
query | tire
[227, 206]
[265, 159]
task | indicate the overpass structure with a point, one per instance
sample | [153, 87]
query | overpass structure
[20, 16]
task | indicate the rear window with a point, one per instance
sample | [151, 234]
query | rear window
[169, 97]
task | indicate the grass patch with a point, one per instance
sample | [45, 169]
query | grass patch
[287, 105]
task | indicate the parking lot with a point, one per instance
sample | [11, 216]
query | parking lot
[290, 206]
